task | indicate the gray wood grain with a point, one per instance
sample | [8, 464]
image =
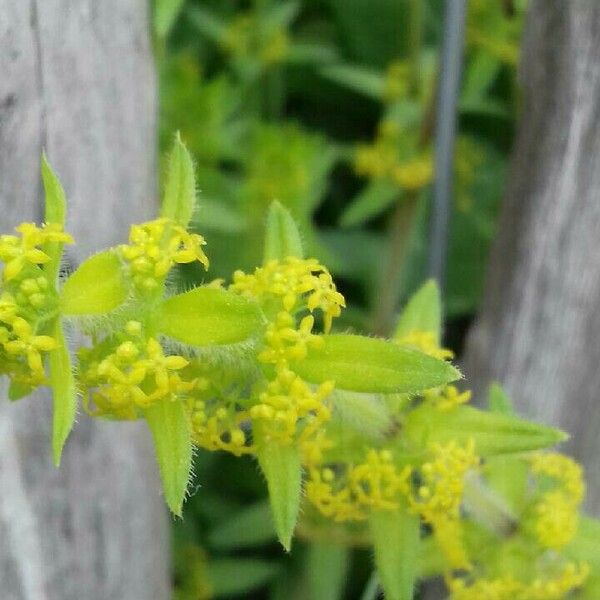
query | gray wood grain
[77, 78]
[539, 329]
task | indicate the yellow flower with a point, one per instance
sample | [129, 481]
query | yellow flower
[569, 578]
[29, 345]
[348, 492]
[155, 247]
[17, 252]
[289, 406]
[295, 283]
[131, 376]
[557, 512]
[439, 496]
[426, 342]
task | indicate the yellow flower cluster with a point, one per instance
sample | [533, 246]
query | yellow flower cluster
[289, 406]
[396, 81]
[426, 342]
[382, 159]
[571, 577]
[26, 301]
[439, 495]
[154, 247]
[218, 428]
[120, 380]
[24, 349]
[447, 397]
[557, 511]
[296, 284]
[244, 38]
[348, 493]
[284, 342]
[17, 252]
[442, 481]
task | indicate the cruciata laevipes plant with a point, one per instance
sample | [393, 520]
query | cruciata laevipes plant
[369, 435]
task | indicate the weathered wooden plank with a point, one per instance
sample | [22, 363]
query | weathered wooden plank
[539, 329]
[76, 77]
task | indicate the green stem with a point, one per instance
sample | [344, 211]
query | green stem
[399, 234]
[415, 44]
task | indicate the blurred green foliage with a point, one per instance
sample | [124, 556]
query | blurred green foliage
[326, 106]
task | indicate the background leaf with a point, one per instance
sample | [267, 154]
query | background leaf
[251, 526]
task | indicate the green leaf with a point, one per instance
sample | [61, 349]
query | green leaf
[56, 206]
[498, 400]
[207, 23]
[366, 413]
[282, 237]
[396, 538]
[376, 197]
[585, 547]
[358, 79]
[64, 392]
[283, 472]
[165, 15]
[364, 364]
[493, 433]
[170, 429]
[311, 53]
[327, 570]
[252, 526]
[208, 316]
[280, 14]
[96, 287]
[18, 390]
[180, 189]
[423, 312]
[230, 576]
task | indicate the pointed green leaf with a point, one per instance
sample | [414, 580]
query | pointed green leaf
[165, 15]
[327, 569]
[251, 526]
[585, 547]
[422, 313]
[207, 23]
[18, 390]
[64, 392]
[239, 576]
[498, 400]
[180, 189]
[207, 316]
[376, 197]
[396, 538]
[364, 364]
[96, 287]
[364, 81]
[170, 429]
[367, 413]
[282, 237]
[493, 433]
[54, 213]
[56, 203]
[283, 472]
